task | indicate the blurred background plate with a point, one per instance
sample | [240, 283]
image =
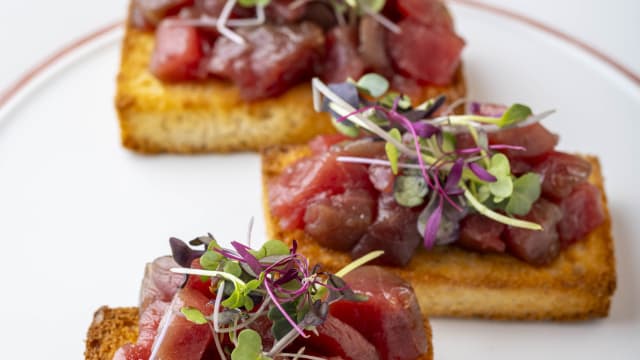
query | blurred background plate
[79, 215]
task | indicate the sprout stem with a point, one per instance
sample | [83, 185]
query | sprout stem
[210, 273]
[221, 24]
[482, 209]
[359, 262]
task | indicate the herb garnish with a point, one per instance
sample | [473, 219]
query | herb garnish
[421, 150]
[274, 281]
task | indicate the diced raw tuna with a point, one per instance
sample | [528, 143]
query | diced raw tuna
[342, 59]
[372, 46]
[199, 284]
[393, 231]
[430, 55]
[211, 8]
[390, 319]
[535, 138]
[340, 221]
[432, 13]
[281, 11]
[335, 338]
[561, 172]
[312, 178]
[179, 338]
[536, 247]
[159, 283]
[583, 212]
[178, 53]
[481, 234]
[147, 329]
[274, 58]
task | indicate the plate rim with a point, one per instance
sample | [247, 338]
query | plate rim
[11, 92]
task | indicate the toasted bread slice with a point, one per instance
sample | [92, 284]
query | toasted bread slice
[210, 116]
[109, 330]
[112, 328]
[449, 281]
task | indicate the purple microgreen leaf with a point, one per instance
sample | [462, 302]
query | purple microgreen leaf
[468, 151]
[288, 276]
[430, 106]
[247, 257]
[425, 130]
[229, 254]
[433, 224]
[182, 253]
[455, 174]
[316, 315]
[481, 172]
[347, 91]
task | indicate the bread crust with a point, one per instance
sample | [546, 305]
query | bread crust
[450, 281]
[209, 115]
[113, 327]
[109, 330]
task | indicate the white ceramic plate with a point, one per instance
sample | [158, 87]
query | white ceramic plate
[79, 215]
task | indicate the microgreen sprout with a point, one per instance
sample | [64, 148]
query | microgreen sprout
[273, 281]
[422, 153]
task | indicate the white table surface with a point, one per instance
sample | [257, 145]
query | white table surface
[32, 29]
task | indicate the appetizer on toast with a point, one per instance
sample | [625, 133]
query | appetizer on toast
[270, 303]
[216, 76]
[478, 211]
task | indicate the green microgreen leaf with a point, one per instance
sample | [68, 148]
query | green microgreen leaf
[484, 210]
[275, 247]
[374, 5]
[346, 128]
[514, 114]
[372, 83]
[233, 268]
[235, 300]
[253, 284]
[249, 346]
[248, 303]
[501, 188]
[499, 165]
[526, 190]
[388, 100]
[410, 191]
[281, 326]
[253, 3]
[210, 260]
[392, 150]
[194, 315]
[483, 193]
[500, 168]
[448, 142]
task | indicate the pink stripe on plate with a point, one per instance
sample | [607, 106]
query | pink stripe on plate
[9, 93]
[55, 57]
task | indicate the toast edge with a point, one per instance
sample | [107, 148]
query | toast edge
[113, 327]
